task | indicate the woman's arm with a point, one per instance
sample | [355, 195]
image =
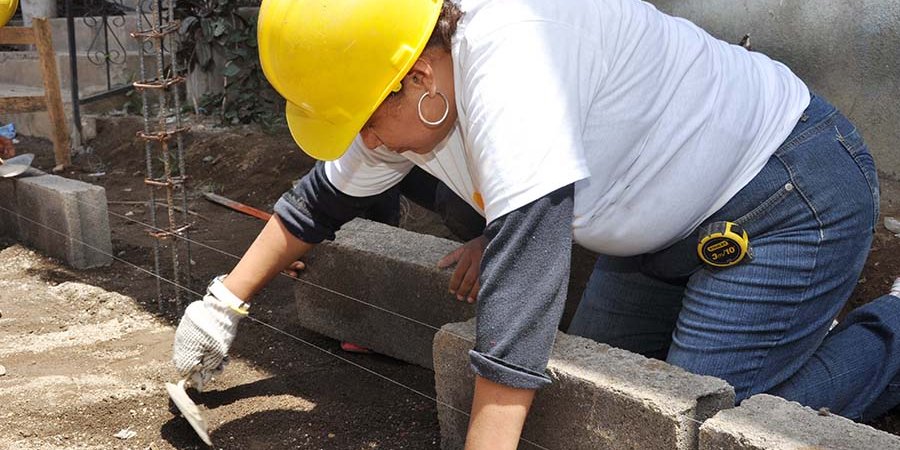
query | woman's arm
[525, 276]
[498, 414]
[274, 249]
[309, 213]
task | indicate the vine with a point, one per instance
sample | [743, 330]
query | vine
[216, 32]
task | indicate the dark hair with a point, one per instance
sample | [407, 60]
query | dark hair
[445, 27]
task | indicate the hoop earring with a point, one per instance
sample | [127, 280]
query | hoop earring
[439, 121]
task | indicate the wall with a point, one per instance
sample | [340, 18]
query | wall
[849, 51]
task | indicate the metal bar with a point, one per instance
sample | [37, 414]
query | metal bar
[237, 206]
[148, 156]
[156, 33]
[165, 234]
[182, 164]
[106, 94]
[163, 135]
[165, 182]
[73, 71]
[164, 145]
[155, 84]
[105, 27]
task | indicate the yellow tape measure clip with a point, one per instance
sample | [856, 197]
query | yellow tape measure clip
[723, 244]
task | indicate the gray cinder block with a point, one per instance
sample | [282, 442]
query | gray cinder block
[63, 218]
[766, 422]
[394, 272]
[601, 397]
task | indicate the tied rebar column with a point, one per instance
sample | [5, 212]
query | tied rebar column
[158, 31]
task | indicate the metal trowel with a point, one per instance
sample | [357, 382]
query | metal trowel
[189, 410]
[15, 165]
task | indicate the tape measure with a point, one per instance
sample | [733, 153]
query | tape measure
[723, 244]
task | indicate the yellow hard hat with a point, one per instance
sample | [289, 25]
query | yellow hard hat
[7, 9]
[335, 61]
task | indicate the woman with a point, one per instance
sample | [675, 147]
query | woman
[603, 120]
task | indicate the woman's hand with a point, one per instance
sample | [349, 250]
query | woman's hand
[464, 282]
[294, 269]
[205, 334]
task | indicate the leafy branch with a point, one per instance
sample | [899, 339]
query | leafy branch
[211, 28]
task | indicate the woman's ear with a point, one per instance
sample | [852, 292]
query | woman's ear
[422, 75]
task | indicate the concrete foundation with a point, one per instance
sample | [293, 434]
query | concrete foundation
[765, 422]
[601, 397]
[63, 218]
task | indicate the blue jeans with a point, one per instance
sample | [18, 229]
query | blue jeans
[763, 325]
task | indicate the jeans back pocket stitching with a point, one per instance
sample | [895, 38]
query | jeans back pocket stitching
[802, 195]
[842, 139]
[763, 207]
[806, 134]
[854, 151]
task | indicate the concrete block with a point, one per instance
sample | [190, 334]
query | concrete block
[88, 128]
[394, 272]
[63, 218]
[765, 422]
[601, 397]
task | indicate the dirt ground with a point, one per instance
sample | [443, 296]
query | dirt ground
[87, 352]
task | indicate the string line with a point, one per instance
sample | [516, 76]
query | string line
[273, 328]
[266, 325]
[307, 282]
[315, 285]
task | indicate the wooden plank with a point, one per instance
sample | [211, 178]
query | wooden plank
[16, 35]
[44, 41]
[22, 104]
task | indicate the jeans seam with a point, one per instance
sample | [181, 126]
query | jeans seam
[806, 200]
[843, 140]
[796, 306]
[763, 207]
[802, 137]
[851, 150]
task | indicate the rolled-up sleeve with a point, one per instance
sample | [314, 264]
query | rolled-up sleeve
[524, 280]
[314, 209]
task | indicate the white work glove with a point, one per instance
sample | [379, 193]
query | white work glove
[206, 332]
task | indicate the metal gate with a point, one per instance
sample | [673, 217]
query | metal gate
[106, 22]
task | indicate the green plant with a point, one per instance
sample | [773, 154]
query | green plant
[217, 27]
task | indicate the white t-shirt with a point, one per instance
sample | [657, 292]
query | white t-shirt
[657, 123]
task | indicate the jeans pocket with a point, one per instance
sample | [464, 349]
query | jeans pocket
[853, 143]
[749, 221]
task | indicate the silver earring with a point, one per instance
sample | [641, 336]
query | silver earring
[439, 121]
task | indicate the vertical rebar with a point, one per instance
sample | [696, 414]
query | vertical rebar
[106, 50]
[148, 152]
[164, 147]
[73, 71]
[158, 32]
[182, 165]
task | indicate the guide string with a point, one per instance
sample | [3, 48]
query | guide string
[266, 325]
